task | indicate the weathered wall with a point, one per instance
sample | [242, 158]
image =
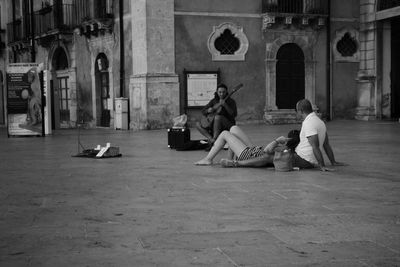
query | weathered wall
[153, 86]
[127, 44]
[83, 78]
[192, 54]
[345, 15]
[321, 73]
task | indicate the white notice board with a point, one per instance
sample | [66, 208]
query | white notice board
[200, 88]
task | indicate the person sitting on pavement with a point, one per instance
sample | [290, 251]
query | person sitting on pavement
[313, 137]
[217, 119]
[243, 150]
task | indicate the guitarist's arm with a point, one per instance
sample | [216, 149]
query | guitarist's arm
[206, 109]
[231, 109]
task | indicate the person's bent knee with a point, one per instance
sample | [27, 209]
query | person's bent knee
[234, 128]
[225, 133]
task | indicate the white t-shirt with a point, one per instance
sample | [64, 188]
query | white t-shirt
[311, 125]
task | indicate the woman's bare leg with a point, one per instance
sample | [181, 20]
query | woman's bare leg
[235, 144]
[238, 132]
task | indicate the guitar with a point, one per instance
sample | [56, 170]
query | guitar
[207, 120]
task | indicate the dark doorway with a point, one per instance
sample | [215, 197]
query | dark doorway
[1, 99]
[102, 91]
[395, 69]
[60, 91]
[289, 76]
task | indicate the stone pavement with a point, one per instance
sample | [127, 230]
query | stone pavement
[153, 207]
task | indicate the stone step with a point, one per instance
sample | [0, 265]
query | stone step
[281, 117]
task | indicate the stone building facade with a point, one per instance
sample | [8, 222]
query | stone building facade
[339, 54]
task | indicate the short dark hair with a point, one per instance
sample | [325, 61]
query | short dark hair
[222, 85]
[304, 105]
[295, 139]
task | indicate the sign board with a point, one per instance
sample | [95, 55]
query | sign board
[24, 99]
[200, 88]
[47, 102]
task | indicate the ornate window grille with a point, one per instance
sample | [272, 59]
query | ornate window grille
[228, 42]
[347, 46]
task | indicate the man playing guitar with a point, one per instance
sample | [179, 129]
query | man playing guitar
[218, 115]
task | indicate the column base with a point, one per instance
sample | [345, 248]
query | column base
[153, 101]
[282, 116]
[365, 114]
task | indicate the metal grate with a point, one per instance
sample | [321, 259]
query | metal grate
[386, 4]
[227, 43]
[319, 7]
[347, 46]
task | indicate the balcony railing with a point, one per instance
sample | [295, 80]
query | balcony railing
[82, 10]
[14, 31]
[85, 10]
[304, 7]
[19, 30]
[59, 17]
[2, 44]
[386, 4]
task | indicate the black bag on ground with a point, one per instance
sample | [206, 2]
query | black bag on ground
[193, 145]
[178, 137]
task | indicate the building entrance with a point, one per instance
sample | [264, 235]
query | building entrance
[60, 90]
[395, 68]
[102, 91]
[289, 76]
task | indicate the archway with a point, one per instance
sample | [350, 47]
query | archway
[102, 91]
[289, 76]
[60, 89]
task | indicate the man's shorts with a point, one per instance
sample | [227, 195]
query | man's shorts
[301, 163]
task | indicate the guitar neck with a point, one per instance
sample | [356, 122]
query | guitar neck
[234, 90]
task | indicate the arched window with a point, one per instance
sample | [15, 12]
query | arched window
[228, 42]
[60, 60]
[346, 46]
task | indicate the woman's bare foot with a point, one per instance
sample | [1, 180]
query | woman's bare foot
[203, 162]
[228, 163]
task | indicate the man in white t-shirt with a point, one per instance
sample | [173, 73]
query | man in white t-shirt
[313, 138]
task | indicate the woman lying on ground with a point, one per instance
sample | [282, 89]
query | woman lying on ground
[243, 153]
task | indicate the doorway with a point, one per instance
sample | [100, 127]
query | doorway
[60, 90]
[289, 76]
[395, 68]
[2, 110]
[103, 99]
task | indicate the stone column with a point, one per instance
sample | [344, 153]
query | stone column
[154, 86]
[270, 84]
[367, 73]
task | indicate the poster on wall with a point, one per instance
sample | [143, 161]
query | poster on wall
[200, 88]
[24, 100]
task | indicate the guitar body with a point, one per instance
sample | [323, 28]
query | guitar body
[206, 121]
